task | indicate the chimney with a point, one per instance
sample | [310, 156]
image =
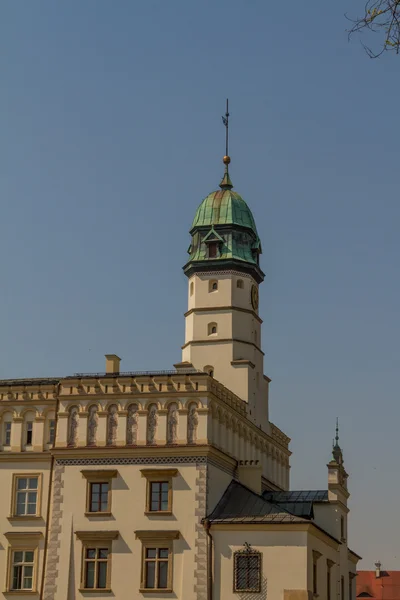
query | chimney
[249, 474]
[112, 364]
[378, 569]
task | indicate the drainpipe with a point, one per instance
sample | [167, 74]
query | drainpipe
[207, 527]
[51, 477]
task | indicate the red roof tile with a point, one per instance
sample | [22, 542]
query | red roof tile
[385, 587]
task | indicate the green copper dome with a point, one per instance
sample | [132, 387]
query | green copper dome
[224, 207]
[224, 234]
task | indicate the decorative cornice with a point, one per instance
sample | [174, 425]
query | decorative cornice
[25, 457]
[99, 473]
[89, 536]
[150, 534]
[213, 309]
[159, 472]
[14, 536]
[217, 340]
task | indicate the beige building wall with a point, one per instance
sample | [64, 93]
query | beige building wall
[233, 351]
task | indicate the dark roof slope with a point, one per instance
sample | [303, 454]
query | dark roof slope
[240, 505]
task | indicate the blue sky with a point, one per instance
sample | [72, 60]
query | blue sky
[112, 135]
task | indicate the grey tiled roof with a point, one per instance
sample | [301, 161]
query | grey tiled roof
[240, 505]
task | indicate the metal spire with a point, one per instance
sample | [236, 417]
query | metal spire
[337, 432]
[226, 183]
[225, 121]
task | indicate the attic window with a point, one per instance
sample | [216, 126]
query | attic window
[212, 249]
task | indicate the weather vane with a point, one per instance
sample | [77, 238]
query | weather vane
[225, 121]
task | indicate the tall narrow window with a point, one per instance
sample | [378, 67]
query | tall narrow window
[7, 434]
[191, 288]
[29, 433]
[26, 496]
[247, 570]
[95, 568]
[342, 587]
[351, 576]
[315, 583]
[328, 582]
[240, 284]
[156, 567]
[342, 530]
[212, 249]
[52, 431]
[22, 570]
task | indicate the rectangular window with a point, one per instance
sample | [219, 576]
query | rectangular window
[26, 496]
[52, 431]
[159, 496]
[22, 567]
[342, 530]
[159, 490]
[247, 566]
[156, 568]
[350, 586]
[342, 588]
[96, 568]
[98, 491]
[98, 501]
[7, 434]
[29, 433]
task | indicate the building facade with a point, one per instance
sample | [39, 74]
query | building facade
[171, 484]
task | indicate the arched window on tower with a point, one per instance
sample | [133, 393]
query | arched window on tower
[212, 329]
[212, 285]
[240, 284]
[209, 370]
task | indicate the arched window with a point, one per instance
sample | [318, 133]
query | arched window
[255, 337]
[240, 284]
[209, 370]
[191, 288]
[212, 329]
[212, 285]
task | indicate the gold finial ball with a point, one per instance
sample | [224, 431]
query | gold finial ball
[226, 160]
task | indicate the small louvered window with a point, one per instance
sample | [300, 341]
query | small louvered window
[247, 576]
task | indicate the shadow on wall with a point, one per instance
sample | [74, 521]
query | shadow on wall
[256, 595]
[71, 578]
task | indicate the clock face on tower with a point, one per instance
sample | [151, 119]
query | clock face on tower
[254, 297]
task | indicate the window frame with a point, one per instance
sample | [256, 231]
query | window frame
[22, 542]
[103, 476]
[14, 495]
[51, 436]
[98, 540]
[158, 476]
[28, 433]
[246, 553]
[158, 540]
[5, 433]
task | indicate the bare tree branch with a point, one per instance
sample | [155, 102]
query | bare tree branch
[381, 17]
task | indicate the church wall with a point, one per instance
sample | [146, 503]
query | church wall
[128, 506]
[284, 559]
[15, 529]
